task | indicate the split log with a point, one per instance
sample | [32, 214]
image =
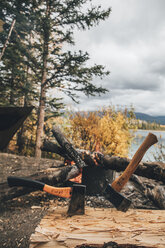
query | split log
[157, 195]
[154, 193]
[138, 183]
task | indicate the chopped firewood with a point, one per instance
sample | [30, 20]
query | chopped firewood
[151, 170]
[139, 228]
[157, 195]
[95, 168]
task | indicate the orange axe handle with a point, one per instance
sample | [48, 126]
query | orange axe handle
[62, 192]
[26, 182]
[119, 182]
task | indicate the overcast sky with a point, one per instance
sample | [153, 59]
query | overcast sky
[131, 44]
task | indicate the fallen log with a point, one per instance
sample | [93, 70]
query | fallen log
[63, 174]
[52, 176]
[59, 175]
[151, 170]
[68, 147]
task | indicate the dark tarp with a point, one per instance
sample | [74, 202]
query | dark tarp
[11, 119]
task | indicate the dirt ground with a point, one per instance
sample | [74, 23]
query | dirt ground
[20, 216]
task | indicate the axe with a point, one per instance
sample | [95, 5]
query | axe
[76, 192]
[112, 191]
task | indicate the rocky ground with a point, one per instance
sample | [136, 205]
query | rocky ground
[20, 216]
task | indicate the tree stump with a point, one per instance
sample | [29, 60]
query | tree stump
[96, 179]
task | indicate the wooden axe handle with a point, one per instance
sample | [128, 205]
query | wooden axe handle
[26, 182]
[62, 192]
[119, 182]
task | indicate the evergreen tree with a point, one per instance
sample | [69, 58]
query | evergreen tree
[54, 24]
[50, 25]
[15, 86]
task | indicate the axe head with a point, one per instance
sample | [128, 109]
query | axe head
[118, 200]
[77, 202]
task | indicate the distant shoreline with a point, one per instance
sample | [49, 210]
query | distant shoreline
[158, 130]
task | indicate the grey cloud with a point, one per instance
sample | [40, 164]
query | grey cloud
[129, 20]
[131, 45]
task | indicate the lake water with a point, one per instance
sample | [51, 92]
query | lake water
[153, 150]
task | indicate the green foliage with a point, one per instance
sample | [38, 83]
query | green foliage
[15, 77]
[51, 23]
[35, 61]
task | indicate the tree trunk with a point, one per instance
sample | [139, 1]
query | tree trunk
[41, 113]
[20, 140]
[8, 37]
[12, 88]
[40, 125]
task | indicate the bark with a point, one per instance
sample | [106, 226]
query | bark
[12, 90]
[8, 37]
[49, 146]
[41, 114]
[138, 183]
[154, 193]
[157, 195]
[40, 125]
[68, 148]
[151, 170]
[20, 139]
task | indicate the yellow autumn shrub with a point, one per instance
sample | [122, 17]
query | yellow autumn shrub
[107, 131]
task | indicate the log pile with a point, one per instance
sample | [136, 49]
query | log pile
[58, 173]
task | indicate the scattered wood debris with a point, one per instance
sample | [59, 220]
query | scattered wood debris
[141, 228]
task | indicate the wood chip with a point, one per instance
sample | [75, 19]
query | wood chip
[98, 226]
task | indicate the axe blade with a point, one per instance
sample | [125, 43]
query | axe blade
[77, 201]
[120, 202]
[112, 191]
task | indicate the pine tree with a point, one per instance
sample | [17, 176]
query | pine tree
[64, 70]
[50, 24]
[15, 85]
